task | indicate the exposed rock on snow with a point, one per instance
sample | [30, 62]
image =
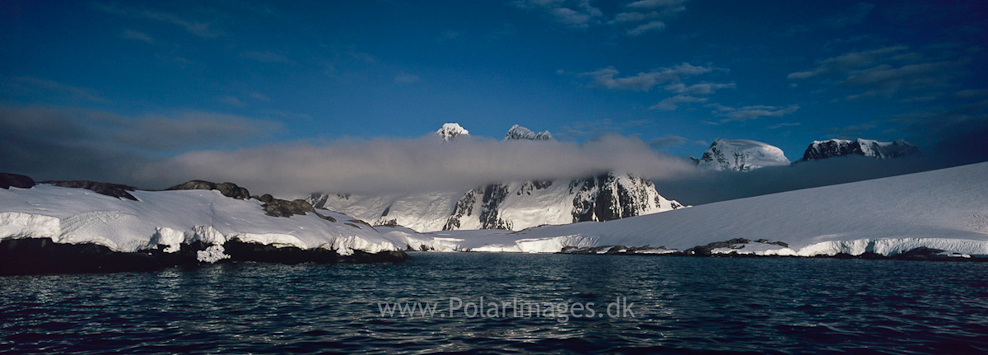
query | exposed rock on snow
[449, 131]
[509, 206]
[864, 147]
[741, 155]
[114, 190]
[519, 132]
[228, 189]
[14, 180]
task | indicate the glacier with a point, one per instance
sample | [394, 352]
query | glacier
[944, 210]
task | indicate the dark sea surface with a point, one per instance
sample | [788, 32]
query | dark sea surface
[671, 304]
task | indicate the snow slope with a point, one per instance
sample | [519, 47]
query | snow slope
[741, 155]
[943, 209]
[169, 218]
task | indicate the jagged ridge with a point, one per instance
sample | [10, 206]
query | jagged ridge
[864, 147]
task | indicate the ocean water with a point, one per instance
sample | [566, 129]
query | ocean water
[541, 303]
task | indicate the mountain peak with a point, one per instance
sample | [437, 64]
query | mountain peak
[860, 146]
[518, 132]
[451, 130]
[741, 155]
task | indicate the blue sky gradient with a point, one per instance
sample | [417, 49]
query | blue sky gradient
[676, 74]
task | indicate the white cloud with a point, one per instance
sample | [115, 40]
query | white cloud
[259, 96]
[32, 84]
[630, 17]
[573, 14]
[855, 15]
[698, 89]
[131, 34]
[636, 19]
[849, 61]
[198, 28]
[785, 124]
[746, 113]
[647, 15]
[406, 78]
[265, 57]
[412, 164]
[672, 103]
[232, 101]
[646, 27]
[363, 57]
[887, 81]
[886, 72]
[653, 4]
[644, 81]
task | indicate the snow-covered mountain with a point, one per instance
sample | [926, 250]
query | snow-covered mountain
[741, 155]
[510, 205]
[942, 211]
[519, 132]
[865, 147]
[450, 131]
[198, 212]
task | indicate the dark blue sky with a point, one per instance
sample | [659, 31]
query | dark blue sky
[165, 78]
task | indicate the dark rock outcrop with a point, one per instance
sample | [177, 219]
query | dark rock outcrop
[15, 180]
[102, 188]
[240, 251]
[604, 198]
[228, 189]
[43, 256]
[277, 207]
[464, 207]
[706, 250]
[493, 196]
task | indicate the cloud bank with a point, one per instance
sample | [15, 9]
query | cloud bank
[412, 165]
[156, 151]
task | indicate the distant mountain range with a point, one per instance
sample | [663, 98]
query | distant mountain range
[747, 155]
[516, 205]
[865, 147]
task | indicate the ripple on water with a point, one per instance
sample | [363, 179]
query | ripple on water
[680, 305]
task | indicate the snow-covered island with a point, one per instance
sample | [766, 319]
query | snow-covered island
[104, 227]
[96, 227]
